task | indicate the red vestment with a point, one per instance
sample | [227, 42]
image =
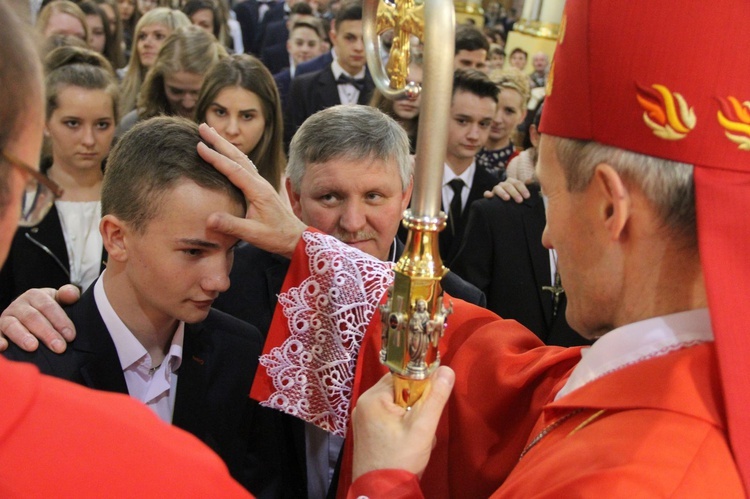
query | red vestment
[662, 434]
[667, 439]
[58, 439]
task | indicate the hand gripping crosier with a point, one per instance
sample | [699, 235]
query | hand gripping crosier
[414, 316]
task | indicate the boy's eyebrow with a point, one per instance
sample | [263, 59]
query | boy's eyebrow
[199, 242]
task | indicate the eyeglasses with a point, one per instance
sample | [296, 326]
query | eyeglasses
[39, 194]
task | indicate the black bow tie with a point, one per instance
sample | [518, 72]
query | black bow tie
[359, 83]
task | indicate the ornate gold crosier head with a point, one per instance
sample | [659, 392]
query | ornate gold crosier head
[414, 315]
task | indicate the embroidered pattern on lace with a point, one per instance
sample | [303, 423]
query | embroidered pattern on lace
[327, 316]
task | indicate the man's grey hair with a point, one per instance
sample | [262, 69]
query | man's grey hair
[667, 185]
[351, 132]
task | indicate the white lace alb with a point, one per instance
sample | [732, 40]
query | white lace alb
[327, 316]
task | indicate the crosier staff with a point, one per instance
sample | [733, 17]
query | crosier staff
[414, 315]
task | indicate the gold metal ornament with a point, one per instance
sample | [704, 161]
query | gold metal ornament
[414, 316]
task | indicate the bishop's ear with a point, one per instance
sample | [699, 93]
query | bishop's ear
[614, 199]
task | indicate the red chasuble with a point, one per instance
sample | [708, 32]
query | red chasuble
[502, 432]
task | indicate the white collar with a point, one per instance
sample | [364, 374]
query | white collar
[467, 176]
[639, 341]
[338, 71]
[129, 349]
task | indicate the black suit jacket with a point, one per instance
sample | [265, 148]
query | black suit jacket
[313, 65]
[256, 279]
[275, 13]
[313, 92]
[502, 254]
[247, 15]
[283, 81]
[276, 33]
[38, 258]
[275, 57]
[219, 359]
[448, 242]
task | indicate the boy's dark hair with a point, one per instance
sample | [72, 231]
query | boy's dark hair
[302, 8]
[470, 38]
[150, 159]
[350, 11]
[519, 50]
[475, 82]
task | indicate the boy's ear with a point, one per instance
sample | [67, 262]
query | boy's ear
[114, 237]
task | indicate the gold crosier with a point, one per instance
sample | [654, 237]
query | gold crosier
[414, 316]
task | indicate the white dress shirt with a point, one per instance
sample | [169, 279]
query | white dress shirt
[467, 176]
[348, 94]
[156, 389]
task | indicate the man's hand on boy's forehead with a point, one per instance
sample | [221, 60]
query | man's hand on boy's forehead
[269, 223]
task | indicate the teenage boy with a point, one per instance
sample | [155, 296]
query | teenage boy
[146, 327]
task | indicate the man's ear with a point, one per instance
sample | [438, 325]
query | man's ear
[615, 200]
[294, 199]
[406, 196]
[332, 34]
[114, 237]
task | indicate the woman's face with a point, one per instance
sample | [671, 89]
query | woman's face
[97, 35]
[237, 115]
[407, 109]
[182, 89]
[81, 128]
[150, 39]
[510, 114]
[204, 19]
[127, 9]
[147, 5]
[61, 23]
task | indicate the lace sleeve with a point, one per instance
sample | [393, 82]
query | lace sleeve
[327, 315]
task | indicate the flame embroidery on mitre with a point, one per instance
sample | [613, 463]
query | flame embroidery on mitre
[734, 116]
[667, 113]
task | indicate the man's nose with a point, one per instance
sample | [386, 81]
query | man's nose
[353, 217]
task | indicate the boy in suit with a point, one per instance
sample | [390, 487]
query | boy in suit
[146, 327]
[473, 106]
[344, 81]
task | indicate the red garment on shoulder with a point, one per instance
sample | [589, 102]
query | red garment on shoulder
[667, 441]
[59, 439]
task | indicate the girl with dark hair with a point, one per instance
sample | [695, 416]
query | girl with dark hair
[101, 38]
